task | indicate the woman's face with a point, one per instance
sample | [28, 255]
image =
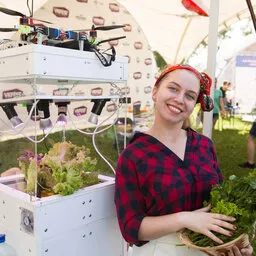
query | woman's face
[176, 95]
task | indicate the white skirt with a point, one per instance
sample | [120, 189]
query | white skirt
[169, 245]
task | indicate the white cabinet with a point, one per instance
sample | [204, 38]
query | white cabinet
[81, 224]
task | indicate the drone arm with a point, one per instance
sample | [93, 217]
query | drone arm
[102, 58]
[111, 39]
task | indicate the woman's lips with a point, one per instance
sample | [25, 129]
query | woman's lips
[174, 109]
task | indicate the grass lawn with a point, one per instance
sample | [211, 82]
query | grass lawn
[229, 138]
[12, 149]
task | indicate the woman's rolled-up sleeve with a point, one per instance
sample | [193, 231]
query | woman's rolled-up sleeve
[128, 199]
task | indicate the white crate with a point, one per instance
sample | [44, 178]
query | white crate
[81, 224]
[52, 65]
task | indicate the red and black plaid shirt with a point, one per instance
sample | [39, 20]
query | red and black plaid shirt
[151, 180]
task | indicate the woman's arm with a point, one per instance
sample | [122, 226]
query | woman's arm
[222, 107]
[200, 221]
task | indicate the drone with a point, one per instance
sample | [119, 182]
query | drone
[38, 33]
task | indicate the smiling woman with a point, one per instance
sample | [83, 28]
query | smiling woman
[165, 174]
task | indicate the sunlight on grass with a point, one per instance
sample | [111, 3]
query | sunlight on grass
[229, 139]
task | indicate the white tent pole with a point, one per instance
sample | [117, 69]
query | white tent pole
[211, 60]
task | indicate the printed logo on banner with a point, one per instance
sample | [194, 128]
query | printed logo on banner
[126, 44]
[96, 2]
[80, 111]
[98, 20]
[127, 28]
[80, 17]
[114, 7]
[137, 75]
[60, 92]
[12, 93]
[126, 11]
[79, 93]
[138, 45]
[129, 58]
[137, 59]
[113, 43]
[111, 107]
[147, 89]
[125, 90]
[61, 12]
[98, 91]
[148, 61]
[148, 75]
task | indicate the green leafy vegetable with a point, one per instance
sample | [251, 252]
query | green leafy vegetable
[235, 197]
[63, 170]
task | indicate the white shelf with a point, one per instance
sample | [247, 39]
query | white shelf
[61, 225]
[31, 99]
[54, 65]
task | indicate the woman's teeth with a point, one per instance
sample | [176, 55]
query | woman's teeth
[175, 109]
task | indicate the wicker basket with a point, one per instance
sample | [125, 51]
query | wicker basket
[219, 250]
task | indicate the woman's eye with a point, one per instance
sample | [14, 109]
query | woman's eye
[191, 97]
[174, 89]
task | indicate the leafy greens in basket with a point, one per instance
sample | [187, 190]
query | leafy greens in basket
[234, 197]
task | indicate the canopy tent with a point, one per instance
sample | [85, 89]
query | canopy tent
[170, 28]
[174, 31]
[165, 26]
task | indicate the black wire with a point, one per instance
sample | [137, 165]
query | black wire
[252, 13]
[30, 12]
[32, 8]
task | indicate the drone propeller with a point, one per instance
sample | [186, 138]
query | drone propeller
[11, 12]
[8, 29]
[103, 28]
[110, 39]
[15, 13]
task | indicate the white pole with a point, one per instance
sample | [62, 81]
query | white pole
[211, 60]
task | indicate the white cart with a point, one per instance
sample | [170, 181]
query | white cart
[81, 224]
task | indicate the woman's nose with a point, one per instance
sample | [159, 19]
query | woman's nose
[180, 97]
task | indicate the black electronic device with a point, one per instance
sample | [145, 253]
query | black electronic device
[84, 39]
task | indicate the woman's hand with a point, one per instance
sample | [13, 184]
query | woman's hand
[219, 223]
[201, 221]
[235, 251]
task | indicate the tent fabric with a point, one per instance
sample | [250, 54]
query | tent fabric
[174, 31]
[165, 26]
[170, 28]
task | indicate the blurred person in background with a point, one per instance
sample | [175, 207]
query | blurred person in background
[250, 148]
[219, 107]
[224, 89]
[230, 96]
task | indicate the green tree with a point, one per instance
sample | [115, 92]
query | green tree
[160, 61]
